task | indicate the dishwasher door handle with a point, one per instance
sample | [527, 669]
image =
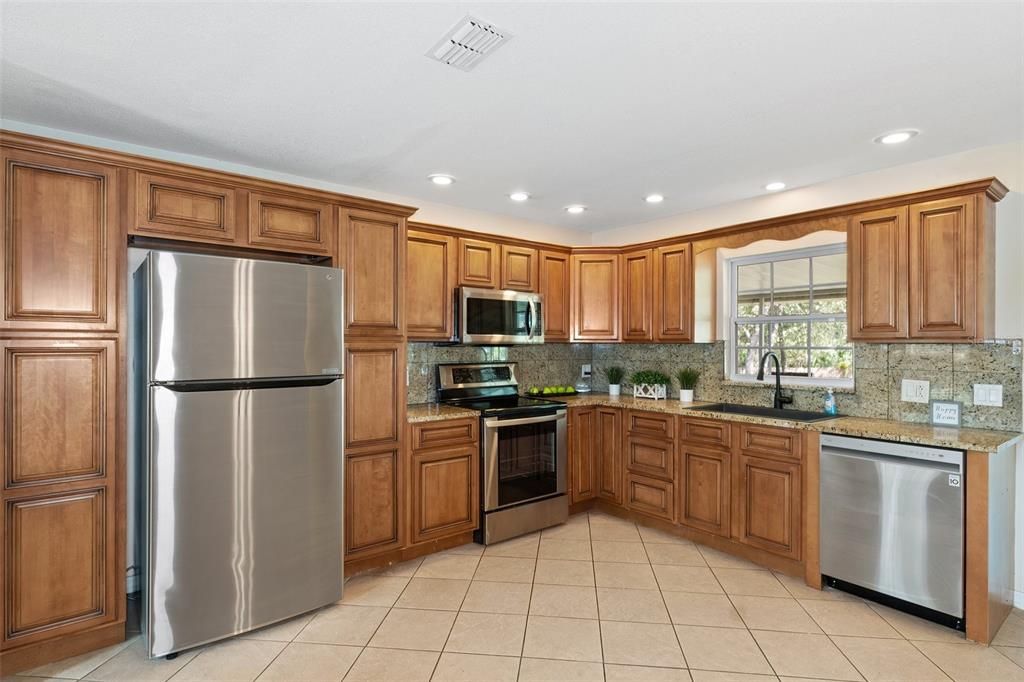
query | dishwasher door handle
[951, 467]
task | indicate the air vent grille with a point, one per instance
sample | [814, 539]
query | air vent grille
[468, 43]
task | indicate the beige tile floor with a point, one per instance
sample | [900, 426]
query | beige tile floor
[595, 599]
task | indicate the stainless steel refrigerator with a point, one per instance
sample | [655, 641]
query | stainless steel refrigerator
[237, 382]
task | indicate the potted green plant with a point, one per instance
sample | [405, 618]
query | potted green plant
[614, 375]
[650, 384]
[687, 378]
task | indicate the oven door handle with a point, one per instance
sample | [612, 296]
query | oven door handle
[495, 422]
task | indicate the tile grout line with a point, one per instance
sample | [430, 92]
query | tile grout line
[600, 630]
[668, 612]
[433, 671]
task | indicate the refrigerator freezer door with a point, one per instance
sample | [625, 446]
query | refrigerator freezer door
[245, 510]
[216, 318]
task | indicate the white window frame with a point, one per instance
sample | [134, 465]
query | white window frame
[809, 252]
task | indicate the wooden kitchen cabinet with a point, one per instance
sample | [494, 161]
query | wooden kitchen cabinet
[191, 209]
[595, 296]
[637, 295]
[373, 255]
[61, 244]
[287, 222]
[554, 287]
[478, 263]
[444, 480]
[430, 282]
[583, 430]
[608, 454]
[373, 513]
[877, 275]
[519, 268]
[374, 393]
[704, 488]
[650, 496]
[673, 293]
[767, 499]
[650, 456]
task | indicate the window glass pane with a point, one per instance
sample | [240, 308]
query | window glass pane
[751, 306]
[750, 334]
[791, 286]
[830, 283]
[829, 334]
[790, 334]
[794, 361]
[837, 363]
[747, 359]
[754, 278]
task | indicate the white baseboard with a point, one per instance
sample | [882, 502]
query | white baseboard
[1018, 599]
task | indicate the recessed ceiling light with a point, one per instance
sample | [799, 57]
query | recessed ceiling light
[896, 136]
[519, 196]
[576, 208]
[775, 186]
[654, 198]
[441, 179]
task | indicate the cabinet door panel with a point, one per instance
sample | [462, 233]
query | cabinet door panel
[673, 293]
[650, 457]
[184, 209]
[429, 286]
[289, 223]
[59, 402]
[372, 514]
[519, 268]
[768, 504]
[445, 492]
[61, 243]
[374, 393]
[595, 295]
[637, 296]
[58, 571]
[554, 287]
[877, 275]
[608, 454]
[583, 434]
[650, 496]
[943, 265]
[478, 263]
[374, 258]
[705, 489]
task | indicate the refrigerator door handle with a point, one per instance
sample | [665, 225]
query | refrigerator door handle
[246, 384]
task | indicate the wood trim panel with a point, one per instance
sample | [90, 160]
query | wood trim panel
[651, 424]
[519, 268]
[442, 434]
[59, 410]
[943, 277]
[673, 293]
[61, 243]
[445, 492]
[373, 253]
[358, 565]
[637, 295]
[184, 209]
[608, 453]
[812, 508]
[33, 655]
[769, 441]
[479, 263]
[582, 440]
[290, 223]
[557, 301]
[431, 276]
[877, 274]
[373, 506]
[705, 490]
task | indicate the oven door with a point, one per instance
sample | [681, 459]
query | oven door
[524, 459]
[488, 316]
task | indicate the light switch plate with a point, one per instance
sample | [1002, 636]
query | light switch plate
[990, 395]
[915, 391]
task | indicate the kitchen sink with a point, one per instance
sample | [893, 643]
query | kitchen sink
[755, 411]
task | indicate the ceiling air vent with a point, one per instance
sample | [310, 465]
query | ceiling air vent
[468, 43]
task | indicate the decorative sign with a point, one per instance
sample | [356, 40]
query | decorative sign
[945, 413]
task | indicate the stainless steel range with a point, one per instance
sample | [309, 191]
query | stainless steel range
[523, 447]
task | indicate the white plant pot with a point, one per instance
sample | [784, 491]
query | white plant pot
[651, 391]
[686, 395]
[614, 389]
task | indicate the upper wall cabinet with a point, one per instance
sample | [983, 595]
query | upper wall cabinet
[519, 268]
[637, 295]
[923, 272]
[61, 243]
[182, 208]
[554, 287]
[595, 297]
[430, 280]
[478, 263]
[673, 293]
[373, 255]
[290, 223]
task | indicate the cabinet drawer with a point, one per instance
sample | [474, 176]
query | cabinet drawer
[770, 441]
[650, 424]
[650, 456]
[650, 496]
[444, 433]
[705, 431]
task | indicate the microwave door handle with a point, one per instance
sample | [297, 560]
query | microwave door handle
[529, 319]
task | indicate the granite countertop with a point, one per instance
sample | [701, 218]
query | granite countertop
[883, 429]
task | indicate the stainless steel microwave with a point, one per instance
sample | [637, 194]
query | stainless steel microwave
[497, 317]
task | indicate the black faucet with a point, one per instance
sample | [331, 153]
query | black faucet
[780, 399]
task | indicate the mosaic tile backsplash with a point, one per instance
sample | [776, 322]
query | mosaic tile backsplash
[951, 369]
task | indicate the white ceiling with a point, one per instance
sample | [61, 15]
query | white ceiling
[597, 104]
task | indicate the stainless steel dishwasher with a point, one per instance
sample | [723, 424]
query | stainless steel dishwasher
[892, 524]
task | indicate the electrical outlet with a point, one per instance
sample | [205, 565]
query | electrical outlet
[914, 391]
[990, 395]
[586, 371]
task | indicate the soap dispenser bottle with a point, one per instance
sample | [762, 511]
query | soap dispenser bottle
[830, 403]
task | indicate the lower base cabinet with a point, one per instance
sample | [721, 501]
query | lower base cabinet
[372, 511]
[768, 498]
[583, 444]
[608, 454]
[445, 493]
[705, 475]
[650, 496]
